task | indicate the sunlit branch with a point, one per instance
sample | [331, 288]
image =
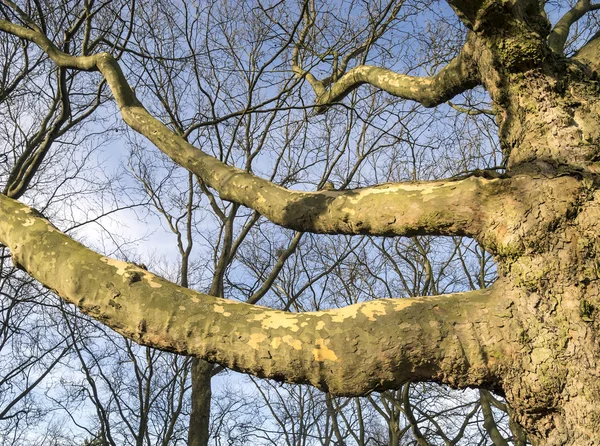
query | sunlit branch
[558, 37]
[378, 28]
[394, 339]
[590, 53]
[459, 75]
[442, 208]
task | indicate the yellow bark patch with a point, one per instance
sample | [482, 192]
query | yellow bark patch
[150, 279]
[323, 353]
[401, 304]
[259, 317]
[279, 319]
[221, 309]
[256, 339]
[372, 309]
[118, 264]
[320, 325]
[340, 315]
[122, 268]
[423, 188]
[154, 284]
[182, 308]
[327, 193]
[29, 222]
[296, 344]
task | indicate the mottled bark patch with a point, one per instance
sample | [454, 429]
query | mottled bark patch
[322, 352]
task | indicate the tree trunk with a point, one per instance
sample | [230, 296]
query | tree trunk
[199, 432]
[548, 113]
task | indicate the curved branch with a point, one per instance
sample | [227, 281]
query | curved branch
[379, 27]
[589, 54]
[459, 339]
[32, 157]
[491, 211]
[459, 75]
[437, 208]
[558, 36]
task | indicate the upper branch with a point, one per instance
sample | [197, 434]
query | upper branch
[558, 36]
[590, 53]
[448, 208]
[84, 63]
[374, 345]
[459, 75]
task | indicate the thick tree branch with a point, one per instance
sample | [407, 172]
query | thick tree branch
[558, 36]
[459, 339]
[483, 209]
[442, 208]
[469, 11]
[458, 76]
[590, 53]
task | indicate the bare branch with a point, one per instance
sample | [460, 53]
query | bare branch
[281, 259]
[590, 53]
[471, 111]
[379, 26]
[35, 151]
[421, 441]
[489, 423]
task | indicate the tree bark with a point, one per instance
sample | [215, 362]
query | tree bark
[548, 113]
